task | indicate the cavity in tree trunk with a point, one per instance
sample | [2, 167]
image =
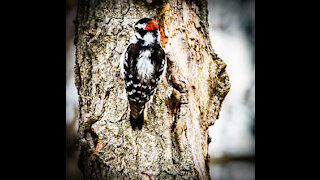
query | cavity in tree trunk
[173, 143]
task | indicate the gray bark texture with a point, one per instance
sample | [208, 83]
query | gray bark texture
[173, 143]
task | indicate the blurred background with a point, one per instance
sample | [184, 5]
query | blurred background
[232, 33]
[72, 170]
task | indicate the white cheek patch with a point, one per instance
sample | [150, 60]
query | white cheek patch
[134, 40]
[144, 66]
[148, 39]
[138, 36]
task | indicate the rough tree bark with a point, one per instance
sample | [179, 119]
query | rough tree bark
[173, 143]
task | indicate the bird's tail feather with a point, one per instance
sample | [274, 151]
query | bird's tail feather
[136, 116]
[137, 122]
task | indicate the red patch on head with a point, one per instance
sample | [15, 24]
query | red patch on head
[151, 25]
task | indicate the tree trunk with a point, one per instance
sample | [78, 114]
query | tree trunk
[173, 143]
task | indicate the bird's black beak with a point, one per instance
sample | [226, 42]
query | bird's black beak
[130, 25]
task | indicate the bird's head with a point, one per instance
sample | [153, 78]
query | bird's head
[146, 30]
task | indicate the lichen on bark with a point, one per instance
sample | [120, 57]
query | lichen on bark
[173, 143]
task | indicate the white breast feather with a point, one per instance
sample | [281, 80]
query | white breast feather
[144, 66]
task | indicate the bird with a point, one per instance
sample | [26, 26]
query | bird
[143, 64]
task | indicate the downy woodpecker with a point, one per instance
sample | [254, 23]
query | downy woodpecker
[142, 65]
